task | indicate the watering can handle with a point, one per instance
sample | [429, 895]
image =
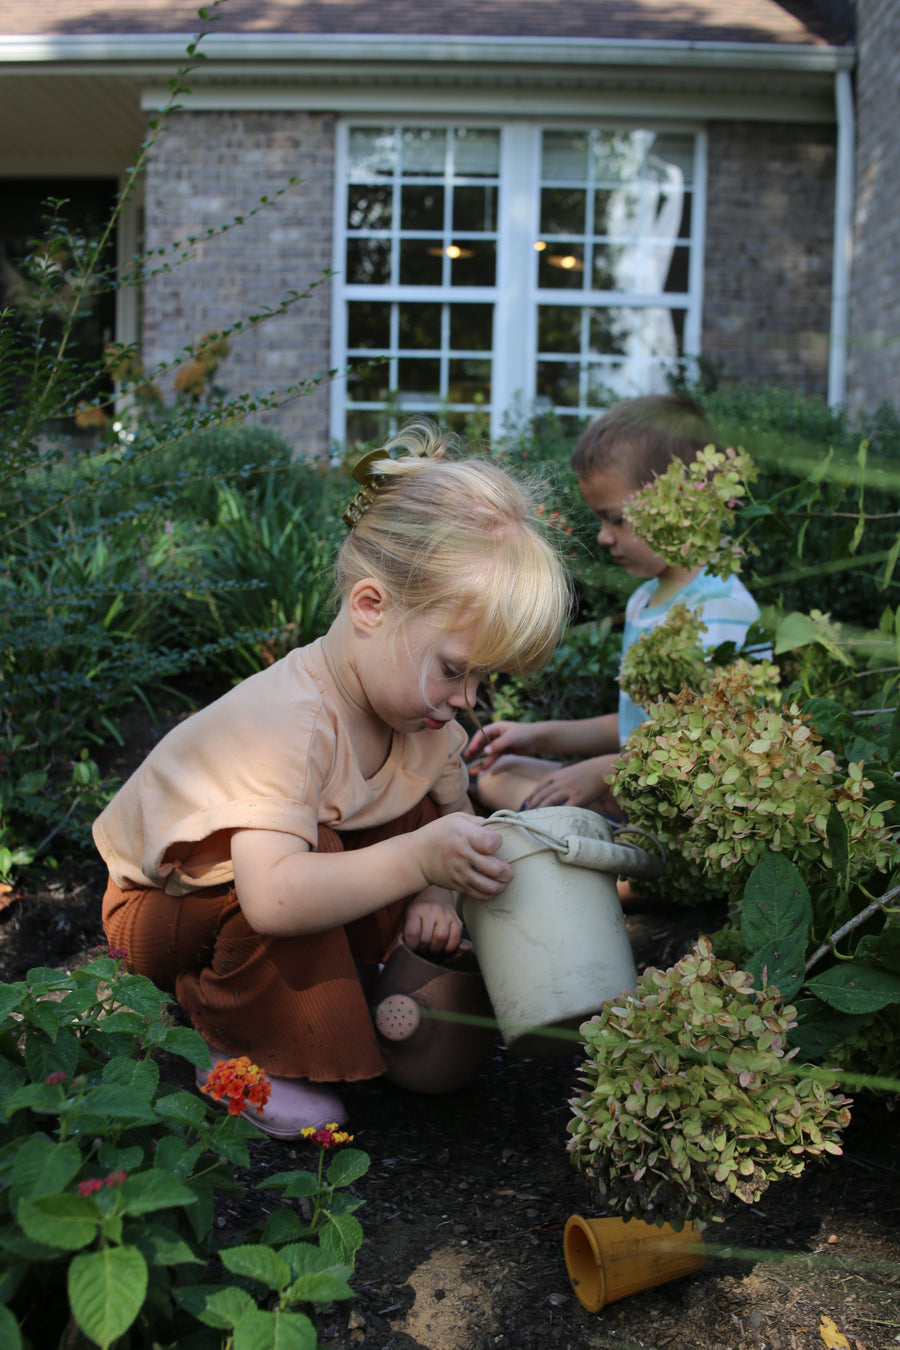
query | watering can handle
[604, 856]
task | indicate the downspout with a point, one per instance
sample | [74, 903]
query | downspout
[843, 239]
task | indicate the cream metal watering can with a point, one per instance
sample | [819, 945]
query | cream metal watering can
[553, 945]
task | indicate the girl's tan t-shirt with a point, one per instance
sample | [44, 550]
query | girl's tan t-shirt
[274, 753]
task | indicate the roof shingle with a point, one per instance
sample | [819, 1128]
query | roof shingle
[751, 21]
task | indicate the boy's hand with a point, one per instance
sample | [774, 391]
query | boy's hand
[581, 784]
[501, 738]
[457, 852]
[431, 923]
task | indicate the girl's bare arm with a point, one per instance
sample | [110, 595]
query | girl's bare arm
[285, 889]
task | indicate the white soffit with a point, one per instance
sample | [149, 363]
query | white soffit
[91, 96]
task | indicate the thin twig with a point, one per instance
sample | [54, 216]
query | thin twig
[848, 927]
[843, 515]
[56, 828]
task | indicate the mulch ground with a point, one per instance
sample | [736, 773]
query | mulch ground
[468, 1194]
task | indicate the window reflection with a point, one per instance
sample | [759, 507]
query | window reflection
[475, 208]
[611, 259]
[368, 324]
[368, 382]
[420, 265]
[589, 353]
[561, 266]
[476, 264]
[615, 217]
[476, 152]
[369, 207]
[368, 262]
[563, 210]
[435, 354]
[469, 380]
[422, 208]
[367, 428]
[423, 150]
[471, 327]
[558, 382]
[420, 326]
[559, 328]
[373, 151]
[420, 375]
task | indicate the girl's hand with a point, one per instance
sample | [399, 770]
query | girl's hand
[501, 738]
[431, 923]
[456, 852]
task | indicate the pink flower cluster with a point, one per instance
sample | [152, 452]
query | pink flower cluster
[93, 1184]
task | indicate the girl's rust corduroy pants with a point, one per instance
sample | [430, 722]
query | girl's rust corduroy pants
[295, 1005]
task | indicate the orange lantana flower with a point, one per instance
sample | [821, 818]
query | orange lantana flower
[240, 1083]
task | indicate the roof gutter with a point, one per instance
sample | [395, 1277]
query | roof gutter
[128, 48]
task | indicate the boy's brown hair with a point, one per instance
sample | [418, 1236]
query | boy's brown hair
[639, 437]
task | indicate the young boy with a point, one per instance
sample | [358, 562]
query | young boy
[618, 454]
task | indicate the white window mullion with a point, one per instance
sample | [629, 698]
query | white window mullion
[693, 326]
[515, 339]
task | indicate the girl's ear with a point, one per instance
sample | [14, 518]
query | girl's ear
[368, 604]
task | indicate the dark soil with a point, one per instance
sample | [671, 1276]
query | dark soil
[468, 1195]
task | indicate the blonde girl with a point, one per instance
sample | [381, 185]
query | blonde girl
[278, 840]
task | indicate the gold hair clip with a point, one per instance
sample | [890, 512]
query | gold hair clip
[371, 482]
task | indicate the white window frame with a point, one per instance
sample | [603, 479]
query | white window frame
[515, 295]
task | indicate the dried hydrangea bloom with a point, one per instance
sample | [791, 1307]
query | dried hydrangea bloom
[687, 514]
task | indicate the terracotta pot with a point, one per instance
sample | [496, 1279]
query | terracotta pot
[608, 1259]
[420, 1007]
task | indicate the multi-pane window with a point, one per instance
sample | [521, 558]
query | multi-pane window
[483, 266]
[613, 264]
[420, 270]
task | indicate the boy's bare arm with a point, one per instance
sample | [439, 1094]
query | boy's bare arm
[583, 783]
[584, 737]
[285, 889]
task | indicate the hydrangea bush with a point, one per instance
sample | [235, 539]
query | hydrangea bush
[770, 782]
[671, 657]
[691, 1098]
[732, 777]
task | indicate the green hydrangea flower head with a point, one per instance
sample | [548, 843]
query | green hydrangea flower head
[690, 1098]
[688, 514]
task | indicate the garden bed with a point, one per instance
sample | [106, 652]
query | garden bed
[468, 1194]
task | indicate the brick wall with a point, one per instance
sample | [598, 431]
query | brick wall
[207, 169]
[770, 214]
[873, 368]
[770, 225]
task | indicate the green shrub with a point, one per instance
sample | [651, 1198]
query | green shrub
[805, 563]
[265, 568]
[578, 681]
[109, 1177]
[102, 532]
